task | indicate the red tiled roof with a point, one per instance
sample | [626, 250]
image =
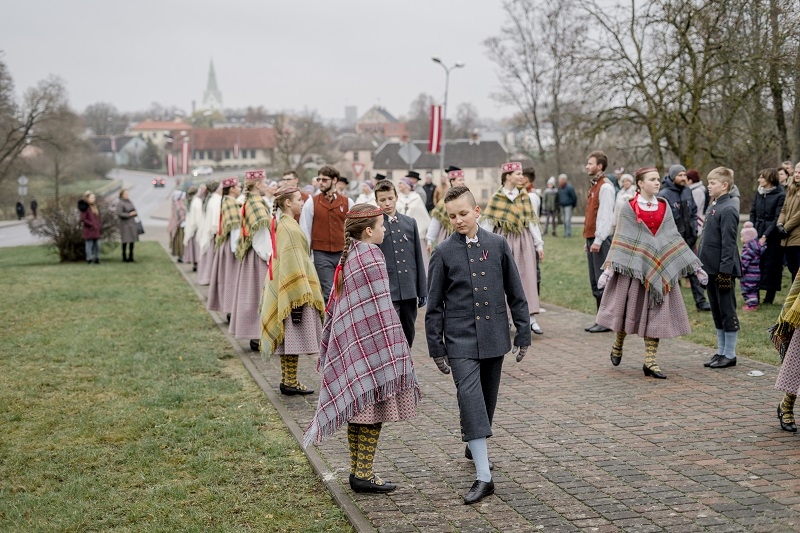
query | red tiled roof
[149, 125]
[225, 138]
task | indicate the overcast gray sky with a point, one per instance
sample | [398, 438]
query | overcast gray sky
[284, 55]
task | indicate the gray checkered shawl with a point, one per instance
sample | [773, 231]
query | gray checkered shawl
[364, 358]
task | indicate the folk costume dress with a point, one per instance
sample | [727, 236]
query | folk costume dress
[176, 224]
[411, 205]
[225, 267]
[245, 319]
[510, 214]
[648, 257]
[194, 221]
[205, 238]
[291, 291]
[786, 340]
[367, 373]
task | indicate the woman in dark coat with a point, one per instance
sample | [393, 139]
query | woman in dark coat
[764, 214]
[128, 232]
[91, 226]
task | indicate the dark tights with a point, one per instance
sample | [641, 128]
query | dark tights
[127, 253]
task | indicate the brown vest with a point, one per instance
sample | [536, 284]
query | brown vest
[327, 230]
[592, 205]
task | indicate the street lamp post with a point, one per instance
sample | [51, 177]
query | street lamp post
[444, 107]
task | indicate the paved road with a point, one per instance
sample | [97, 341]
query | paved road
[579, 445]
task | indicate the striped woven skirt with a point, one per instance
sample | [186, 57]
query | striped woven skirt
[204, 266]
[789, 375]
[191, 253]
[303, 338]
[245, 320]
[524, 253]
[625, 308]
[224, 269]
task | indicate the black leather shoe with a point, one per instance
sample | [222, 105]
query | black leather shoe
[291, 391]
[712, 360]
[655, 373]
[468, 455]
[597, 328]
[590, 327]
[705, 306]
[478, 491]
[791, 426]
[723, 362]
[615, 360]
[370, 485]
[228, 318]
[255, 345]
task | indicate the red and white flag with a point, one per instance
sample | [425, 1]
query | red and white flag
[170, 165]
[113, 144]
[435, 132]
[236, 151]
[185, 157]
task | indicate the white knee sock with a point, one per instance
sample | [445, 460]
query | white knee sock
[480, 456]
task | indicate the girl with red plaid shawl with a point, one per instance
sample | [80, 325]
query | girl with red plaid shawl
[642, 272]
[367, 374]
[291, 305]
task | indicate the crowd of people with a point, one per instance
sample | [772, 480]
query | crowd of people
[311, 273]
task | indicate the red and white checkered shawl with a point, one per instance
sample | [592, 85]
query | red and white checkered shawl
[364, 358]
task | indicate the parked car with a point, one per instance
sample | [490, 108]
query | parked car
[159, 182]
[202, 171]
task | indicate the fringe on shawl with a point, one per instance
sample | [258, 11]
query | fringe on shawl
[307, 299]
[317, 432]
[655, 298]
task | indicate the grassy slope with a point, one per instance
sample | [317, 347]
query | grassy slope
[122, 407]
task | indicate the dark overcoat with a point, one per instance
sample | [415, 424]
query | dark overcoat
[468, 287]
[719, 247]
[764, 215]
[127, 223]
[404, 261]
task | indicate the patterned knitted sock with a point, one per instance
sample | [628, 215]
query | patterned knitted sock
[616, 350]
[289, 370]
[787, 406]
[352, 444]
[730, 344]
[650, 350]
[367, 444]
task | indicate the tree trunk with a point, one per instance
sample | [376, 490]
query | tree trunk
[796, 117]
[775, 83]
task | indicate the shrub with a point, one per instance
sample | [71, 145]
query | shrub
[60, 225]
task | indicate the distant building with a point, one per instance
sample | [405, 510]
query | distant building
[480, 160]
[125, 150]
[212, 97]
[161, 132]
[379, 121]
[356, 148]
[233, 148]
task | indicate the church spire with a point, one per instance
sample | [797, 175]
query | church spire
[212, 98]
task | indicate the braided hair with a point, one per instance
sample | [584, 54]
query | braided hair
[354, 230]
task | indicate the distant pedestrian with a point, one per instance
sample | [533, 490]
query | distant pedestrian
[92, 227]
[367, 372]
[367, 195]
[207, 231]
[417, 188]
[567, 199]
[224, 266]
[34, 207]
[20, 210]
[550, 206]
[597, 226]
[411, 204]
[700, 195]
[764, 214]
[752, 250]
[194, 220]
[789, 224]
[291, 307]
[429, 187]
[128, 230]
[176, 224]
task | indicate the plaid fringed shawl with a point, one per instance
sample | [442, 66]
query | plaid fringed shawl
[230, 217]
[788, 320]
[511, 217]
[255, 216]
[658, 261]
[440, 213]
[364, 358]
[294, 283]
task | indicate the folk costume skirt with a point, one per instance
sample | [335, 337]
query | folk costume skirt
[303, 338]
[245, 320]
[224, 269]
[191, 252]
[524, 253]
[402, 406]
[204, 265]
[789, 375]
[625, 307]
[176, 244]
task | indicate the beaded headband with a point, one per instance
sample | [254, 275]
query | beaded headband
[645, 170]
[372, 213]
[255, 175]
[230, 182]
[511, 167]
[453, 174]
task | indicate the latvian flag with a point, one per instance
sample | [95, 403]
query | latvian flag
[185, 158]
[170, 165]
[435, 132]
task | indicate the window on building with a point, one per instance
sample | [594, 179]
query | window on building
[355, 155]
[479, 174]
[227, 154]
[209, 154]
[244, 154]
[484, 194]
[389, 175]
[252, 154]
[199, 154]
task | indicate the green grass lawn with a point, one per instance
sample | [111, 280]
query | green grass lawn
[123, 407]
[565, 282]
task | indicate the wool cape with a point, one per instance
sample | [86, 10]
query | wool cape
[230, 217]
[788, 320]
[658, 261]
[255, 217]
[294, 283]
[364, 358]
[511, 217]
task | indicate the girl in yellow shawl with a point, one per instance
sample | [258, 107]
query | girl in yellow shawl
[291, 304]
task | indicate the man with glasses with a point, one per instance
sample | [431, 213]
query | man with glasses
[290, 179]
[322, 220]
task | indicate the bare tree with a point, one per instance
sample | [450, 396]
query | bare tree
[300, 140]
[466, 120]
[419, 116]
[104, 119]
